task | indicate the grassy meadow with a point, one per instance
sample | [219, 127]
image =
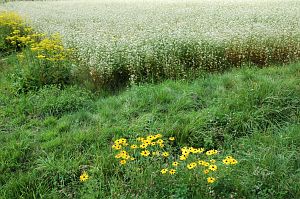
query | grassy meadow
[150, 99]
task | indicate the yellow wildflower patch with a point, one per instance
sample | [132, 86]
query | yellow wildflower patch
[135, 149]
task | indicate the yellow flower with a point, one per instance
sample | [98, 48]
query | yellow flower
[150, 137]
[122, 162]
[123, 140]
[133, 146]
[230, 160]
[132, 159]
[118, 156]
[194, 150]
[165, 154]
[147, 142]
[182, 157]
[226, 161]
[211, 180]
[212, 161]
[172, 171]
[161, 145]
[160, 141]
[191, 166]
[153, 143]
[143, 146]
[184, 148]
[201, 162]
[171, 138]
[118, 141]
[185, 152]
[191, 149]
[213, 167]
[84, 176]
[214, 151]
[233, 161]
[155, 153]
[211, 152]
[175, 164]
[145, 153]
[116, 147]
[41, 56]
[206, 171]
[158, 136]
[125, 157]
[164, 171]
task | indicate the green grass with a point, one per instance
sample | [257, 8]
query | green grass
[49, 136]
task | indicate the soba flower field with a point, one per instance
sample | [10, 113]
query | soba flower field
[146, 99]
[149, 41]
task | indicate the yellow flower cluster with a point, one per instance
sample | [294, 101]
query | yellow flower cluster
[50, 48]
[10, 19]
[230, 160]
[151, 140]
[22, 39]
[20, 33]
[159, 149]
[42, 47]
[124, 156]
[211, 152]
[185, 152]
[171, 171]
[143, 145]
